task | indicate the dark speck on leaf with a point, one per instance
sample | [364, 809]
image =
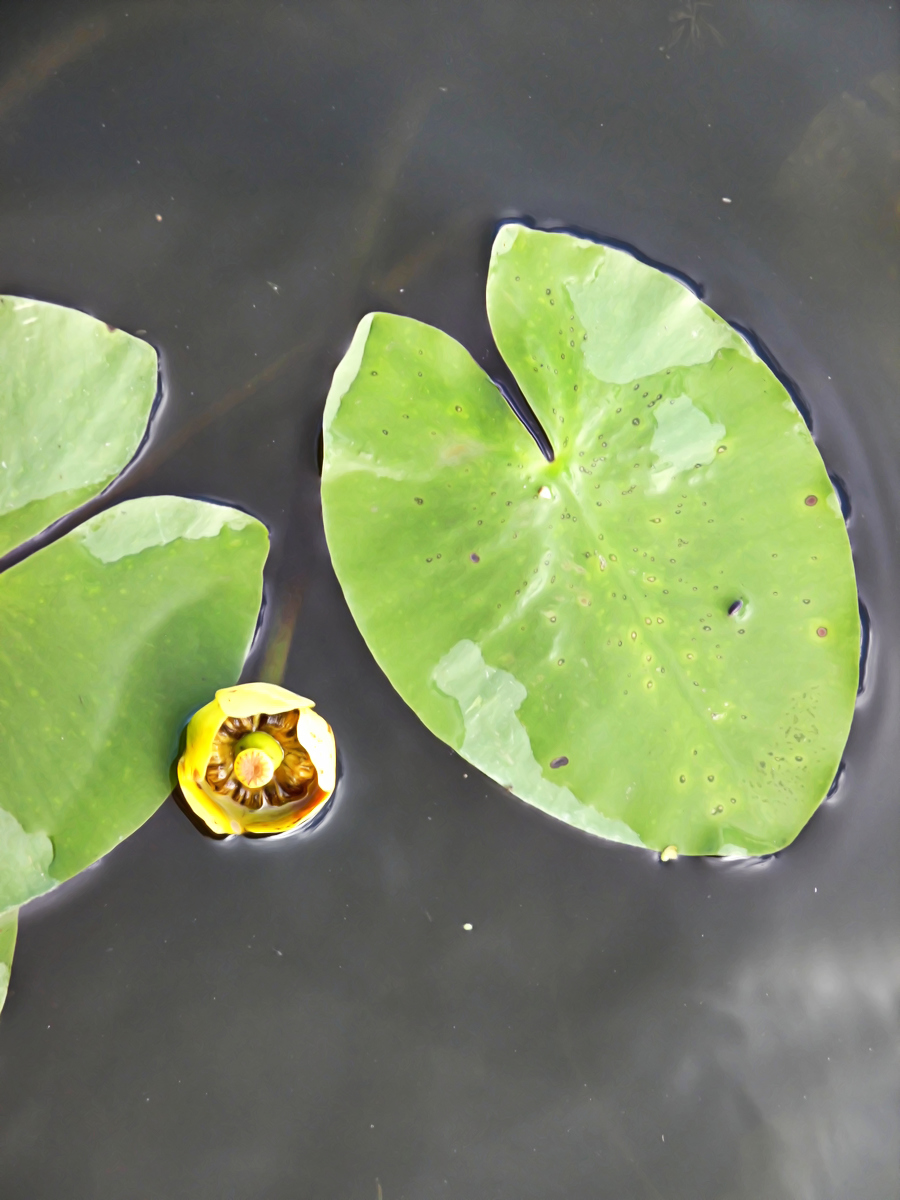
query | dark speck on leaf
[559, 762]
[474, 558]
[735, 608]
[418, 500]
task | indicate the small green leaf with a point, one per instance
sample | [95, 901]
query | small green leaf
[655, 636]
[9, 924]
[74, 403]
[113, 636]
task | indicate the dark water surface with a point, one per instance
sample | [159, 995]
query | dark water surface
[309, 1019]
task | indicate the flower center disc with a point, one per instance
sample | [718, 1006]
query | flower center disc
[253, 768]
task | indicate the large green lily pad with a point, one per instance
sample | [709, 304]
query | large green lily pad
[655, 636]
[113, 636]
[74, 401]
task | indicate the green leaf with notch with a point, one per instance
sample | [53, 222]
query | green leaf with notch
[655, 636]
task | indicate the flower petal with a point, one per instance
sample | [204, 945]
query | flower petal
[208, 810]
[202, 729]
[315, 736]
[248, 699]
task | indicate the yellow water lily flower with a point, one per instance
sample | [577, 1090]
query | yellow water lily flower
[257, 760]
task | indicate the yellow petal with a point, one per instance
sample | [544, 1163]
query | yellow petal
[249, 699]
[223, 815]
[288, 816]
[315, 736]
[211, 813]
[202, 729]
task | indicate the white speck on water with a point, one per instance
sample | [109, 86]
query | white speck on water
[726, 199]
[468, 927]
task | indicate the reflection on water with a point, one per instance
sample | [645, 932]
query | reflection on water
[813, 1040]
[848, 162]
[842, 183]
[692, 26]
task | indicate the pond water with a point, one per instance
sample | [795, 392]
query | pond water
[439, 991]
